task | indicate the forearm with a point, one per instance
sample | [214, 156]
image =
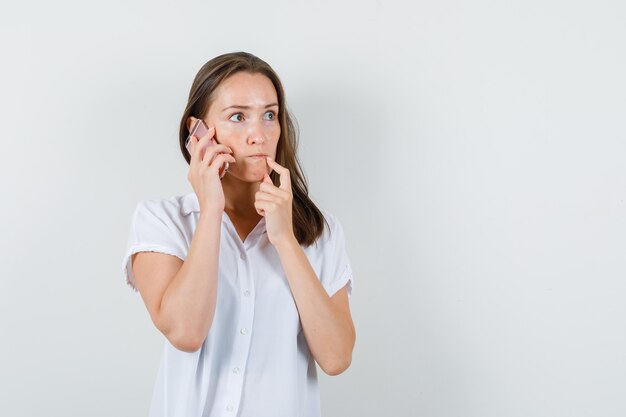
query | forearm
[188, 304]
[329, 334]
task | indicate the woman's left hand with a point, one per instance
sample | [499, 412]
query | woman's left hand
[275, 203]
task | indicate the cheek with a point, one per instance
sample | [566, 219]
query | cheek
[275, 132]
[225, 134]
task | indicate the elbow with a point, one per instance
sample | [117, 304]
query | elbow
[185, 338]
[186, 342]
[342, 361]
[189, 347]
[338, 367]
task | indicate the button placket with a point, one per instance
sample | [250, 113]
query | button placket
[242, 342]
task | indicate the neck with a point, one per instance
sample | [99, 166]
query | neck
[239, 196]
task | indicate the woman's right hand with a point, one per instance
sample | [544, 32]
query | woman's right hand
[207, 158]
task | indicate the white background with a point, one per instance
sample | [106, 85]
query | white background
[474, 152]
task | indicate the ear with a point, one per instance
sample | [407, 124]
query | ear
[190, 121]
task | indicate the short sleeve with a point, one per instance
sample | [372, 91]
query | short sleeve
[151, 230]
[336, 270]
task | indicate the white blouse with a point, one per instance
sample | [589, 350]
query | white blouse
[255, 361]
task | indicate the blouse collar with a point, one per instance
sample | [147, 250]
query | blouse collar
[190, 205]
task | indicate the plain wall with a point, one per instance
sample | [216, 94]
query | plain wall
[473, 151]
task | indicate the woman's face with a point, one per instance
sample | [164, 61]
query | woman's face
[244, 112]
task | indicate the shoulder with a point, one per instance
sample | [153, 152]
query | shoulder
[333, 228]
[168, 210]
[177, 205]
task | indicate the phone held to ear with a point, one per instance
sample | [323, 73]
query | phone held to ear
[198, 130]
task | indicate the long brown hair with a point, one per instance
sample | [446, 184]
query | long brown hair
[308, 220]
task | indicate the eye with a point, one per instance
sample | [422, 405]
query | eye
[270, 115]
[238, 116]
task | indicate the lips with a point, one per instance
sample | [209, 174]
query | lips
[258, 155]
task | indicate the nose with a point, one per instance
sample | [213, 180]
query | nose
[256, 140]
[256, 135]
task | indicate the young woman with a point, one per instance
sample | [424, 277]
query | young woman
[248, 286]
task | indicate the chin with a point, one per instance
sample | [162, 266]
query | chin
[253, 175]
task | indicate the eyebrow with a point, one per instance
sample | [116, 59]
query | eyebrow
[248, 107]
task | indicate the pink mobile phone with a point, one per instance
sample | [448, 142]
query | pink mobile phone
[198, 130]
